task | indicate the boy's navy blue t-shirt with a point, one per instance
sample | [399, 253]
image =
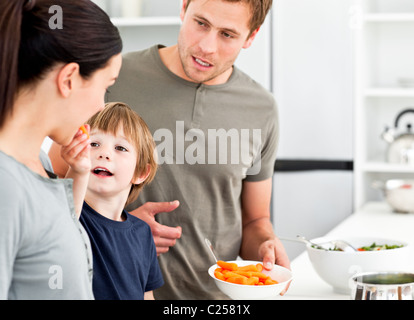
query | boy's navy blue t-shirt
[125, 261]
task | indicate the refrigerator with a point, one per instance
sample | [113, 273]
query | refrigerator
[313, 84]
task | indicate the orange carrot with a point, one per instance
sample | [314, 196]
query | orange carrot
[252, 281]
[83, 129]
[227, 265]
[270, 282]
[260, 275]
[231, 274]
[250, 267]
[237, 280]
[246, 275]
[219, 275]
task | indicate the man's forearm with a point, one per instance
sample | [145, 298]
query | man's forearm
[254, 234]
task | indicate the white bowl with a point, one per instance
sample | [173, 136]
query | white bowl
[337, 267]
[245, 292]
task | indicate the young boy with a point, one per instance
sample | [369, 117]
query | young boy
[122, 162]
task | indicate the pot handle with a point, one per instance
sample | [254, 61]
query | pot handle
[397, 119]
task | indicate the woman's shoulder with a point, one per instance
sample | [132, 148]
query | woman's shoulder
[11, 173]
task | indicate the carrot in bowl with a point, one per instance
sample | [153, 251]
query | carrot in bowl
[246, 275]
[227, 265]
[250, 267]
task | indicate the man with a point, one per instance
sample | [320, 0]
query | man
[216, 131]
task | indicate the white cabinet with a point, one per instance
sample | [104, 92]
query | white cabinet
[143, 23]
[384, 53]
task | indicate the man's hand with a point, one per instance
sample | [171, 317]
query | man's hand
[164, 236]
[272, 252]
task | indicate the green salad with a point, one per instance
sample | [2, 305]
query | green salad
[372, 247]
[375, 247]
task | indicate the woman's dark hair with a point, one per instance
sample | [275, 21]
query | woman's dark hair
[29, 47]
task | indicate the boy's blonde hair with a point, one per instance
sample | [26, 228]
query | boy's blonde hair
[117, 115]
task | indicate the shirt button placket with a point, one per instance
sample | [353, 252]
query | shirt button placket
[198, 110]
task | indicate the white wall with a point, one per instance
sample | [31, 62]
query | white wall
[256, 61]
[313, 78]
[312, 83]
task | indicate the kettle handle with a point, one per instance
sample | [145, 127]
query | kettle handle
[397, 119]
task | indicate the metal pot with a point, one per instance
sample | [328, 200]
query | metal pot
[401, 146]
[399, 194]
[383, 286]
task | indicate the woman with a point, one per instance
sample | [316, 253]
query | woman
[51, 82]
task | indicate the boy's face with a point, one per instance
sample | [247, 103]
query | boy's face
[212, 34]
[113, 160]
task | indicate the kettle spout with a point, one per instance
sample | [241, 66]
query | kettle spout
[388, 135]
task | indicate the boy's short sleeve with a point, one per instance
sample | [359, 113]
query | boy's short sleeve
[155, 278]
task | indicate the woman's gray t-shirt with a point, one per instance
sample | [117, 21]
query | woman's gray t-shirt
[44, 251]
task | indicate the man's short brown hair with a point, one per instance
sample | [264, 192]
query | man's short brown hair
[259, 9]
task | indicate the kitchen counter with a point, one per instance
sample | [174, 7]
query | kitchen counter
[374, 219]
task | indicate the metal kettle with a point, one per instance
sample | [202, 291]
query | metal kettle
[400, 146]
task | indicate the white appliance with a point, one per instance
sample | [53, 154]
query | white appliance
[312, 83]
